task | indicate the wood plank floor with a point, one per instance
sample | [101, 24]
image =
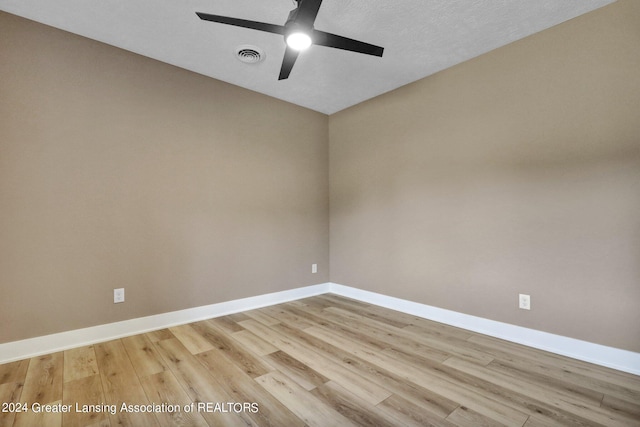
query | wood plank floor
[320, 361]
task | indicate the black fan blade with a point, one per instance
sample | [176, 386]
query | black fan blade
[307, 12]
[260, 26]
[290, 56]
[321, 38]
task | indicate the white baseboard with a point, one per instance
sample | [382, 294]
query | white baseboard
[610, 357]
[32, 347]
[621, 360]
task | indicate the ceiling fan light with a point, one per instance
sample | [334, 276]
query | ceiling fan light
[298, 41]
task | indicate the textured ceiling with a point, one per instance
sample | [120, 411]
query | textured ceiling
[420, 37]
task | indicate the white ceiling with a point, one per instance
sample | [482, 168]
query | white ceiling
[420, 37]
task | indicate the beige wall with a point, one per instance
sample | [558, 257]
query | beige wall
[120, 171]
[516, 172]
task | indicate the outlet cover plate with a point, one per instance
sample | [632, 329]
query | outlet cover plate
[118, 295]
[524, 301]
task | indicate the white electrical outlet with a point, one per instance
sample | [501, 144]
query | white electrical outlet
[524, 302]
[314, 268]
[118, 295]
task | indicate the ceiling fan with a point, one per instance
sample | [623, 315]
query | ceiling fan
[299, 33]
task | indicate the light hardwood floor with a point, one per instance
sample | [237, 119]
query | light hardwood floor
[321, 361]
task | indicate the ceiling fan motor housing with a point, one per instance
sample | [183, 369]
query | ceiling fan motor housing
[299, 22]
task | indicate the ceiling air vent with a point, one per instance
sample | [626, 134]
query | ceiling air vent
[249, 54]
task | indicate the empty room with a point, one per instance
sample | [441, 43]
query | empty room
[320, 213]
